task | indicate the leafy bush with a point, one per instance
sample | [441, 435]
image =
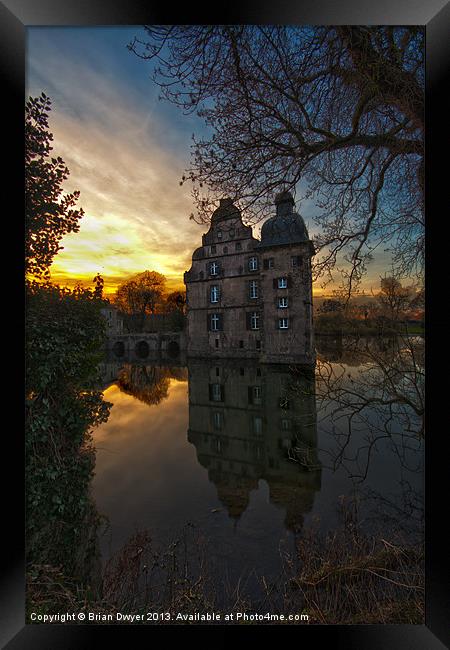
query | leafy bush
[64, 334]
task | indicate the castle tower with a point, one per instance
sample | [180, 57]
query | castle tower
[218, 288]
[250, 298]
[285, 251]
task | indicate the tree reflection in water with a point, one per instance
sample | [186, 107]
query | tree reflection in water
[370, 414]
[380, 398]
[149, 384]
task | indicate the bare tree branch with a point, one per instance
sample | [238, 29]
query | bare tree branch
[337, 112]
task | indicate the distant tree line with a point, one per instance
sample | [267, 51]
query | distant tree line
[393, 309]
[145, 304]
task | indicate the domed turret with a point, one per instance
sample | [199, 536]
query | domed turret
[286, 227]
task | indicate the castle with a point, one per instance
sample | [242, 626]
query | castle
[251, 298]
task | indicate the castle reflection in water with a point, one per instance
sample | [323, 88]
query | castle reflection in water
[248, 422]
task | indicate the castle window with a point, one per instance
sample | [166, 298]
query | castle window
[253, 289]
[242, 371]
[219, 234]
[253, 264]
[258, 344]
[217, 369]
[257, 425]
[217, 418]
[285, 424]
[257, 395]
[254, 320]
[215, 322]
[214, 268]
[282, 302]
[214, 293]
[296, 260]
[283, 323]
[213, 248]
[282, 283]
[217, 343]
[216, 393]
[268, 263]
[241, 344]
[238, 246]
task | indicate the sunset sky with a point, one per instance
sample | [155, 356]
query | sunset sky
[126, 152]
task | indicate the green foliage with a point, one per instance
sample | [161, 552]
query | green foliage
[49, 213]
[64, 333]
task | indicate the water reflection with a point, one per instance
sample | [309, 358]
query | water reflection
[370, 391]
[149, 384]
[253, 463]
[247, 424]
[254, 455]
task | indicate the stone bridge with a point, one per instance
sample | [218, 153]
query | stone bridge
[145, 343]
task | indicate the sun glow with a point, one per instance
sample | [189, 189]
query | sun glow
[126, 153]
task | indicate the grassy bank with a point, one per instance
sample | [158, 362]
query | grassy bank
[346, 577]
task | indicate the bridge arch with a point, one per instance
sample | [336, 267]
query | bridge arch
[119, 348]
[142, 349]
[173, 348]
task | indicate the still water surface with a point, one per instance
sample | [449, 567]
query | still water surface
[251, 456]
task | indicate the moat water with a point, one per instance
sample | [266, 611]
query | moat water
[235, 461]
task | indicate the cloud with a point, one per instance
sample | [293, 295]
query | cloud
[136, 213]
[126, 153]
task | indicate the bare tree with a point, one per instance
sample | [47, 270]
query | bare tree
[338, 110]
[394, 298]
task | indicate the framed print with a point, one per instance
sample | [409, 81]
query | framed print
[234, 322]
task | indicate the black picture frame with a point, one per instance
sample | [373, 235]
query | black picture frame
[15, 17]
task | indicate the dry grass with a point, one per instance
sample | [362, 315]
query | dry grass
[343, 578]
[360, 579]
[346, 577]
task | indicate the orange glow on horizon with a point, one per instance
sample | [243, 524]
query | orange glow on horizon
[126, 155]
[174, 283]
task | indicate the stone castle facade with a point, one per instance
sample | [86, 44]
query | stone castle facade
[252, 298]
